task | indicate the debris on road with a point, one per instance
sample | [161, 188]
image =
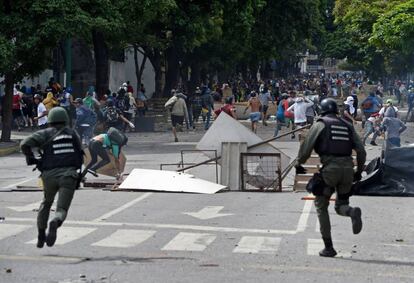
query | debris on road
[169, 181]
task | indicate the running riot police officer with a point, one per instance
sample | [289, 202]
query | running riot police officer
[61, 158]
[333, 139]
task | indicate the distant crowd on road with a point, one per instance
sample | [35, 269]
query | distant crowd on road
[296, 100]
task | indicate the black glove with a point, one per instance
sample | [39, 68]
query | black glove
[300, 169]
[31, 160]
[357, 176]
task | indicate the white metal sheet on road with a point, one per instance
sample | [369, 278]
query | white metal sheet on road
[254, 245]
[125, 238]
[69, 234]
[190, 242]
[7, 230]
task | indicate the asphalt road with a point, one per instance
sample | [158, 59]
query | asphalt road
[226, 237]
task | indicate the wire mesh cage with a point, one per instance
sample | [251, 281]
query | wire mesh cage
[261, 172]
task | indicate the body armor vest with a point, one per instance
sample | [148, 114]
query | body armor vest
[336, 137]
[63, 150]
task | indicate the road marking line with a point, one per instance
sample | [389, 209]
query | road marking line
[303, 220]
[19, 183]
[317, 226]
[121, 208]
[315, 245]
[7, 230]
[125, 238]
[45, 258]
[255, 245]
[68, 234]
[28, 207]
[196, 242]
[168, 226]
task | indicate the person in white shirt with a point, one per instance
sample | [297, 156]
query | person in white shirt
[299, 109]
[42, 112]
[389, 109]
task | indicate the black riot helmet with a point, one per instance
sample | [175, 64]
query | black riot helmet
[329, 106]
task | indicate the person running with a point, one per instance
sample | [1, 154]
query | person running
[85, 121]
[265, 97]
[254, 105]
[62, 157]
[349, 110]
[372, 125]
[178, 109]
[299, 109]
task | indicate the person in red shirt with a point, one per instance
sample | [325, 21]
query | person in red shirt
[16, 109]
[227, 108]
[290, 116]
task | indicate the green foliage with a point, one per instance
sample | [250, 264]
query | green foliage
[378, 35]
[394, 29]
[29, 30]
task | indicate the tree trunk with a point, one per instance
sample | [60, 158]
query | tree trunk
[139, 69]
[195, 76]
[173, 71]
[7, 108]
[101, 63]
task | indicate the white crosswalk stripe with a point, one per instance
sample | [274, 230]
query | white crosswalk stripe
[189, 242]
[315, 245]
[69, 234]
[7, 230]
[125, 238]
[254, 245]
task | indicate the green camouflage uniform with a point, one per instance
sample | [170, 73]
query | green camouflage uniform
[338, 174]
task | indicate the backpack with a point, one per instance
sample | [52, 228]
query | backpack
[117, 136]
[196, 102]
[123, 104]
[111, 115]
[367, 104]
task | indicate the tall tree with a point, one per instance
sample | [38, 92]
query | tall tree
[29, 30]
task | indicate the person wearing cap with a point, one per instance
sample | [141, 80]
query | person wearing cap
[349, 110]
[389, 109]
[333, 139]
[41, 117]
[85, 121]
[61, 158]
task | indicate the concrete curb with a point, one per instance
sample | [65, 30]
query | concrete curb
[13, 148]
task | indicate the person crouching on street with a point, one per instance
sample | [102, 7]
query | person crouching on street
[100, 145]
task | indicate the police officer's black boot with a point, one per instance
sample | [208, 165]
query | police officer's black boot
[41, 238]
[355, 214]
[51, 235]
[328, 251]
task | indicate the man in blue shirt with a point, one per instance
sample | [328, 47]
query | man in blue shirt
[370, 105]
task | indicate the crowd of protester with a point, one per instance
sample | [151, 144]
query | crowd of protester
[295, 99]
[87, 113]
